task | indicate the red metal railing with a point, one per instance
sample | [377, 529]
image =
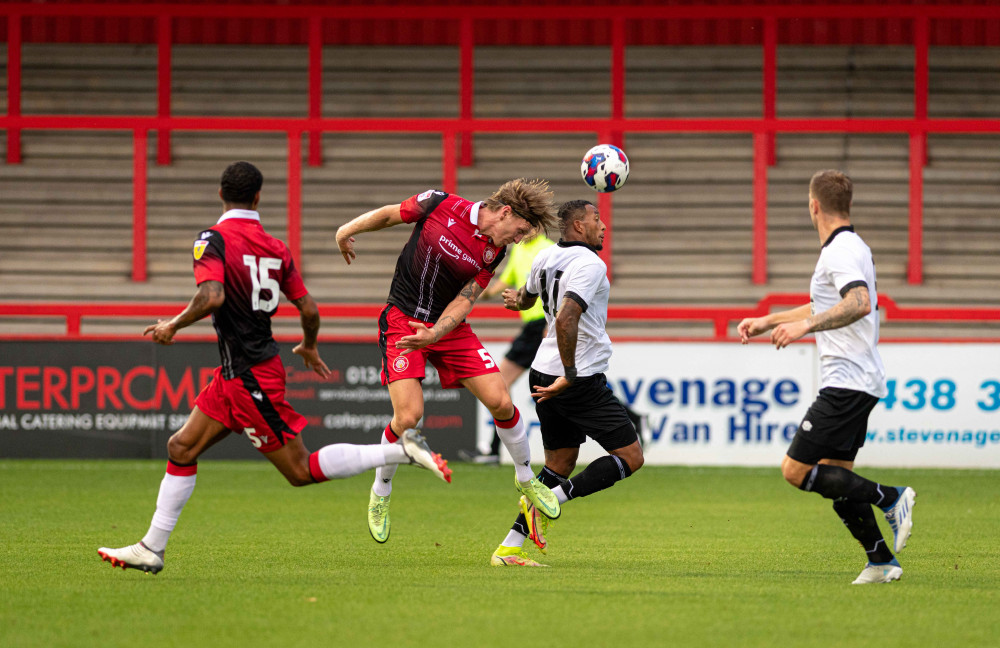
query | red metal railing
[721, 317]
[764, 129]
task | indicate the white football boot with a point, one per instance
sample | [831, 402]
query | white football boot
[900, 517]
[416, 448]
[137, 556]
[879, 573]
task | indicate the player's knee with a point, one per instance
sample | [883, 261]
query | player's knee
[299, 480]
[180, 452]
[792, 474]
[560, 467]
[632, 456]
[501, 407]
[299, 476]
[406, 419]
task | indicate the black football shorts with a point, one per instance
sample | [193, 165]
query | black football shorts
[834, 427]
[587, 409]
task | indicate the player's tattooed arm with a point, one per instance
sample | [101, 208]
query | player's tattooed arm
[854, 305]
[459, 308]
[453, 315]
[208, 299]
[567, 333]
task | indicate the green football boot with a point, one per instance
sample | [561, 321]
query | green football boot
[512, 557]
[538, 524]
[378, 517]
[540, 496]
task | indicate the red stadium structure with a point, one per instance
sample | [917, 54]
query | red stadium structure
[468, 27]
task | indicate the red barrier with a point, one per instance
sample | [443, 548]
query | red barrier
[770, 19]
[13, 87]
[315, 88]
[140, 146]
[721, 317]
[163, 85]
[451, 128]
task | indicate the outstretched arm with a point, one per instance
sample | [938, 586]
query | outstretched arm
[495, 288]
[852, 307]
[309, 319]
[208, 299]
[752, 326]
[567, 331]
[372, 221]
[453, 315]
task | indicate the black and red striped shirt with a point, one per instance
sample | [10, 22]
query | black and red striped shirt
[253, 267]
[444, 252]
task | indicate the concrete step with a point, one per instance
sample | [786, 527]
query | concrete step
[682, 226]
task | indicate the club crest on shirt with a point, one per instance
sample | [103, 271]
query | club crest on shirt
[401, 363]
[199, 248]
[489, 254]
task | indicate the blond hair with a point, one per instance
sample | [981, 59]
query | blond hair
[532, 200]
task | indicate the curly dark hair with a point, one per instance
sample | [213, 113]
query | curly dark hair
[240, 183]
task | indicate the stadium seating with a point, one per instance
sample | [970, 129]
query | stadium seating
[682, 227]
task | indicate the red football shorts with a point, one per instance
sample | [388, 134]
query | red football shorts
[457, 355]
[254, 403]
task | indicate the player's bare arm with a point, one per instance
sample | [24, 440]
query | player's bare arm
[567, 332]
[495, 288]
[752, 326]
[208, 299]
[518, 300]
[852, 307]
[371, 221]
[453, 315]
[307, 350]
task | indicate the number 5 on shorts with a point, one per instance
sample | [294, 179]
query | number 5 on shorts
[487, 358]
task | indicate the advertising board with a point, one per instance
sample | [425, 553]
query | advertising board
[125, 398]
[728, 404]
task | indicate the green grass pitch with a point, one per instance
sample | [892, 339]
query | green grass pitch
[670, 557]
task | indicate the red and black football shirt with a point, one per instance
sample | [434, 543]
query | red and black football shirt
[253, 267]
[444, 252]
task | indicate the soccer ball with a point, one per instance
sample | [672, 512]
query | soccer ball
[605, 168]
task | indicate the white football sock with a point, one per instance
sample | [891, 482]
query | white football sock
[384, 474]
[515, 439]
[342, 460]
[561, 494]
[514, 539]
[174, 493]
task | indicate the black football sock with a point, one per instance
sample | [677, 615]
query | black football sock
[860, 521]
[495, 445]
[834, 482]
[600, 474]
[551, 479]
